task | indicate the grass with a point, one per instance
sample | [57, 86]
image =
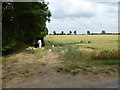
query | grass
[13, 58]
[86, 53]
[88, 66]
[85, 46]
[15, 65]
[97, 41]
[79, 54]
[25, 70]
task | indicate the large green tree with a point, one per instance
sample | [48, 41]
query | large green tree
[23, 22]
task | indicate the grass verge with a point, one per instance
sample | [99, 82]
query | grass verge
[88, 66]
[22, 64]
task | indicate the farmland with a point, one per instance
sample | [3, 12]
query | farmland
[76, 52]
[63, 55]
[104, 42]
[82, 53]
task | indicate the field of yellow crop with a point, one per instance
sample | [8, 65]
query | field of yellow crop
[102, 42]
[80, 53]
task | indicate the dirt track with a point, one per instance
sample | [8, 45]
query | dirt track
[49, 78]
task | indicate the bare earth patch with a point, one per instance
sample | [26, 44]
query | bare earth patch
[40, 73]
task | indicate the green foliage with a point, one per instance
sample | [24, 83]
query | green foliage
[88, 32]
[75, 32]
[70, 32]
[103, 32]
[23, 22]
[62, 33]
[54, 32]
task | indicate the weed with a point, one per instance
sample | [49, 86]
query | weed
[88, 66]
[72, 53]
[106, 55]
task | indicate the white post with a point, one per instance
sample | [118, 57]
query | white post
[40, 43]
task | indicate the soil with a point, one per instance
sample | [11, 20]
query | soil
[47, 77]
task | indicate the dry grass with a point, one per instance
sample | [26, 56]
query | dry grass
[88, 66]
[104, 42]
[75, 51]
[86, 53]
[22, 64]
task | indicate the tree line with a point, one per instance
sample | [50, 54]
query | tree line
[102, 33]
[63, 33]
[22, 23]
[88, 33]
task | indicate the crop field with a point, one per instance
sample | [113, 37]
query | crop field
[85, 53]
[102, 42]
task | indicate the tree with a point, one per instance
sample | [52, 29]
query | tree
[75, 32]
[70, 32]
[62, 33]
[88, 32]
[103, 32]
[23, 22]
[54, 33]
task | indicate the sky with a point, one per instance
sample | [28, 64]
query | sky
[83, 15]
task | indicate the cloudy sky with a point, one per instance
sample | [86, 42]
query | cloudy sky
[83, 15]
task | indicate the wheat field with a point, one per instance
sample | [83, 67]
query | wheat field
[102, 42]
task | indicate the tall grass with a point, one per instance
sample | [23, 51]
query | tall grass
[106, 55]
[72, 53]
[86, 54]
[85, 46]
[103, 42]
